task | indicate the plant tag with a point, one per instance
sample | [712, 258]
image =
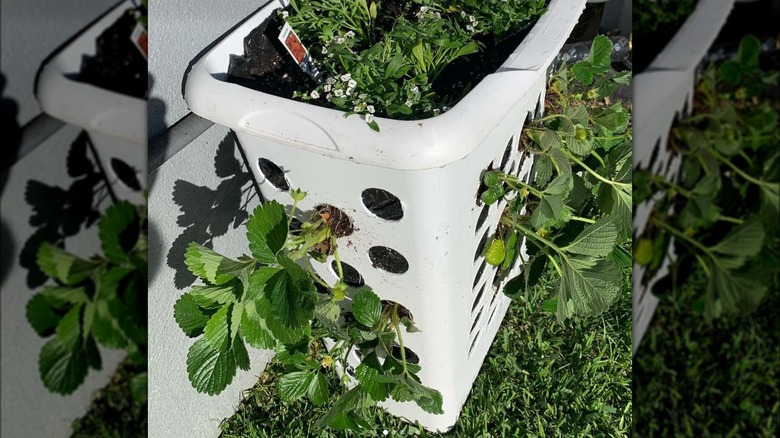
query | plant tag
[300, 54]
[140, 40]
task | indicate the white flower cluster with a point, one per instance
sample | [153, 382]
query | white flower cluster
[426, 14]
[472, 26]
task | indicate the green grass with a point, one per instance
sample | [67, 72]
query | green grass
[113, 413]
[697, 379]
[539, 379]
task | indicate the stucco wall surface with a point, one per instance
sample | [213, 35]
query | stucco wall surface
[202, 194]
[180, 30]
[30, 30]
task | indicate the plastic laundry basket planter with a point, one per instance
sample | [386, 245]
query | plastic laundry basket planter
[410, 190]
[664, 92]
[116, 123]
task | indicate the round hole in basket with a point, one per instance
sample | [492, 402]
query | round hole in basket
[126, 174]
[388, 260]
[351, 275]
[340, 223]
[383, 204]
[411, 356]
[274, 174]
[403, 312]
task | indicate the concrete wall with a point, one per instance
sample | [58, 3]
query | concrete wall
[27, 408]
[30, 30]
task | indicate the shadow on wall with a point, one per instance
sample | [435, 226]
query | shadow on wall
[209, 213]
[12, 134]
[156, 117]
[60, 213]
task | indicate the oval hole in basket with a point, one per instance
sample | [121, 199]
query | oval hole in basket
[126, 174]
[351, 275]
[274, 174]
[478, 298]
[388, 260]
[482, 217]
[411, 356]
[507, 154]
[481, 245]
[479, 273]
[383, 204]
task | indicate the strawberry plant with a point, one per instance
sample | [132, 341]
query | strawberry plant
[575, 215]
[721, 213]
[387, 58]
[273, 299]
[97, 300]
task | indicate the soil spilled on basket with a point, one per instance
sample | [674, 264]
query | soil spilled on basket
[339, 223]
[117, 65]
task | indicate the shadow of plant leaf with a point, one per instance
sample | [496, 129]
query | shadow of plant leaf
[208, 213]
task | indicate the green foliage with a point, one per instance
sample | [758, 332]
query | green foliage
[650, 15]
[383, 59]
[99, 300]
[722, 212]
[692, 377]
[576, 214]
[539, 379]
[269, 300]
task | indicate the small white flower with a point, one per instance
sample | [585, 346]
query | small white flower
[470, 28]
[330, 81]
[362, 96]
[472, 19]
[385, 432]
[423, 9]
[315, 95]
[346, 77]
[327, 97]
[324, 50]
[370, 109]
[327, 88]
[352, 83]
[339, 40]
[350, 91]
[446, 108]
[338, 93]
[350, 34]
[369, 118]
[415, 89]
[356, 108]
[285, 14]
[409, 103]
[463, 14]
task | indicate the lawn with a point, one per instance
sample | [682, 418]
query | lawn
[692, 378]
[540, 378]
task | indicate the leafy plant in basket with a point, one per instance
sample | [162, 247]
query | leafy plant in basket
[575, 215]
[97, 300]
[723, 212]
[386, 58]
[273, 299]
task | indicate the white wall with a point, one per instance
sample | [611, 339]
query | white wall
[196, 197]
[179, 30]
[27, 408]
[30, 30]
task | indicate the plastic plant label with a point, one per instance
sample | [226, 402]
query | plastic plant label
[140, 40]
[300, 54]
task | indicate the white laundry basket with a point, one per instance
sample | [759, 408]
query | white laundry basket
[116, 123]
[663, 93]
[429, 168]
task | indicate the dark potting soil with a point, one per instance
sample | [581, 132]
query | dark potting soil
[117, 64]
[587, 26]
[266, 66]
